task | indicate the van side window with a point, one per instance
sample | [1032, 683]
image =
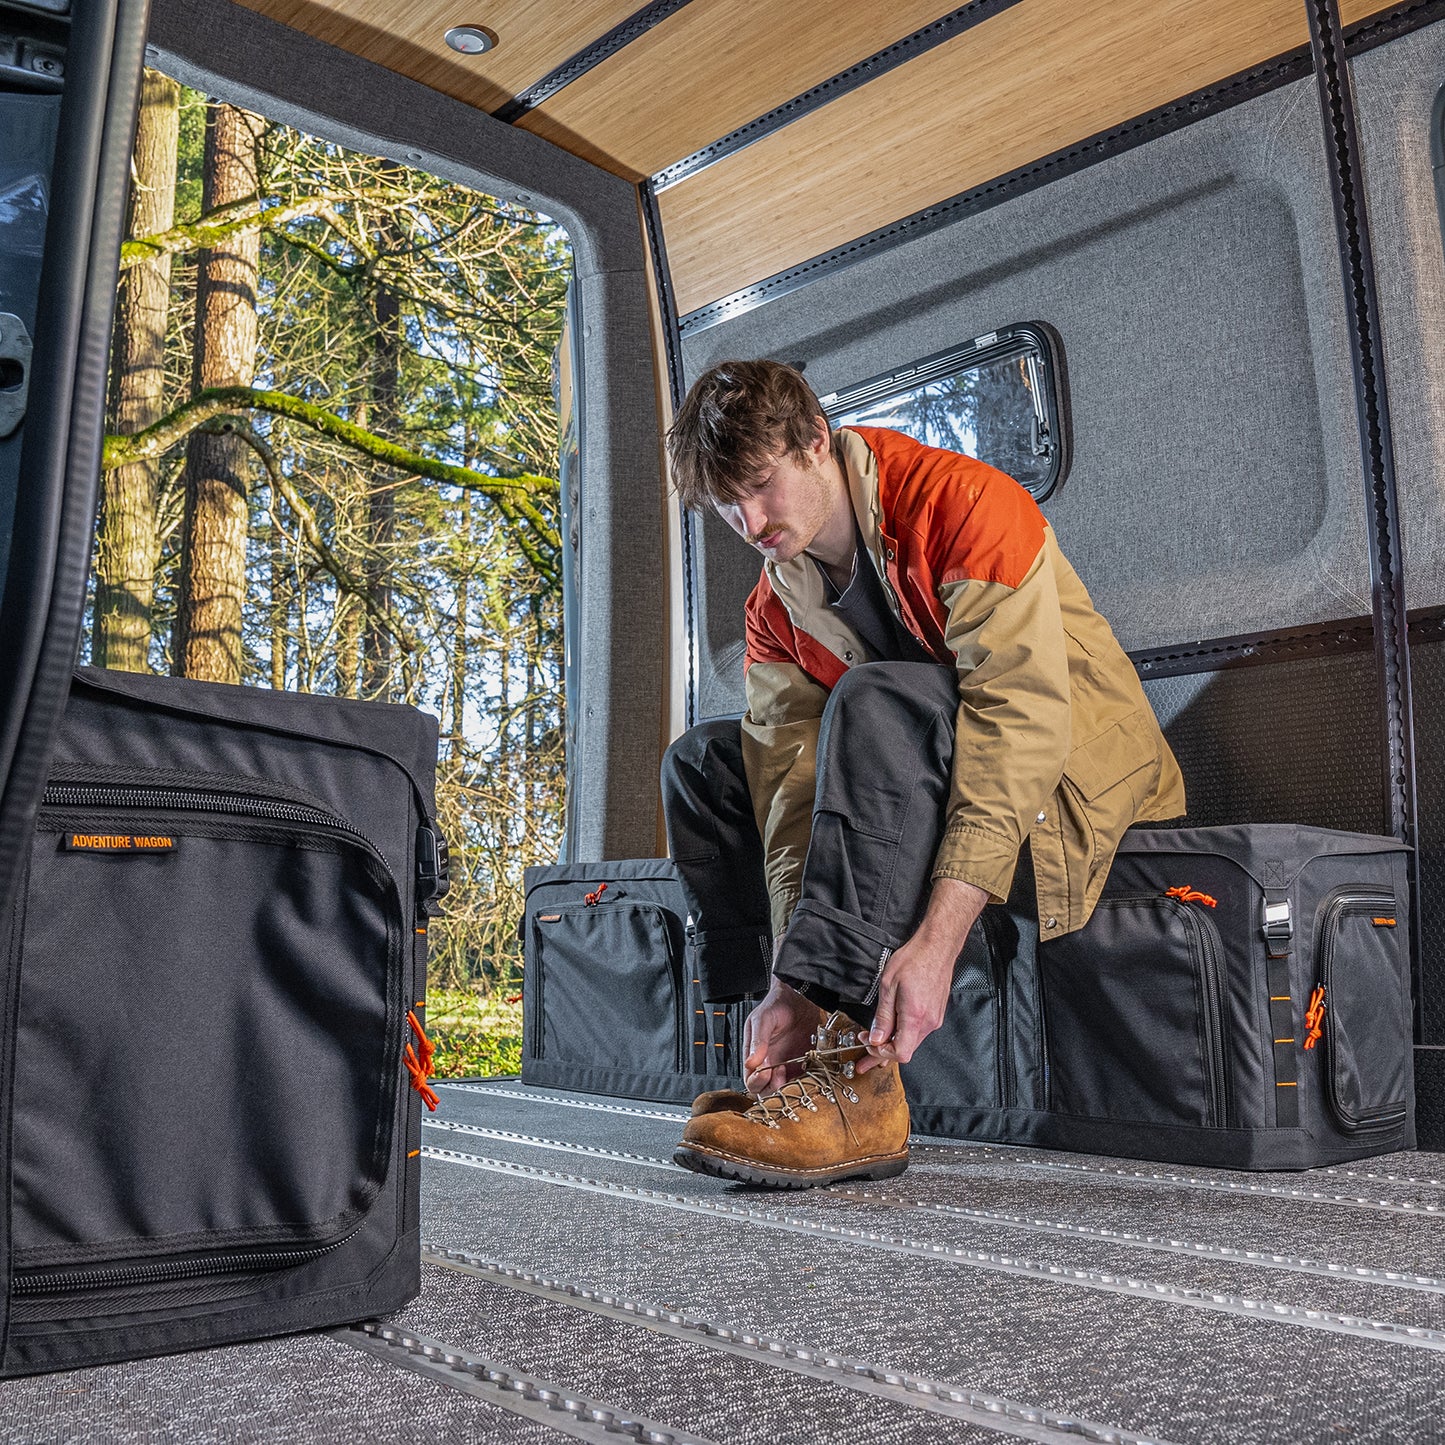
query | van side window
[999, 398]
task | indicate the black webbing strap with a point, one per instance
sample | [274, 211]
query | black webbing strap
[1392, 643]
[699, 1055]
[1278, 933]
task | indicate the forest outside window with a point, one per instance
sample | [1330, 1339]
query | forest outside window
[999, 398]
[332, 466]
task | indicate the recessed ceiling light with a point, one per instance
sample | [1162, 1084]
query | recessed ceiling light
[470, 39]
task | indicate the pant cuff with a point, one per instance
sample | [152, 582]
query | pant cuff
[834, 959]
[730, 963]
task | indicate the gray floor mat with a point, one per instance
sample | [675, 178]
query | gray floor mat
[1051, 1341]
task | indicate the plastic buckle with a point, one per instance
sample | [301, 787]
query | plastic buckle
[433, 862]
[1278, 927]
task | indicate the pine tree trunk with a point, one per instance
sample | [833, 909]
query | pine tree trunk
[459, 637]
[207, 640]
[128, 546]
[280, 599]
[381, 502]
[349, 502]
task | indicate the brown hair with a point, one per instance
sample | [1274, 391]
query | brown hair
[737, 415]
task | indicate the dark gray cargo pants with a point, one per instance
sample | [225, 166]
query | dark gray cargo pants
[884, 757]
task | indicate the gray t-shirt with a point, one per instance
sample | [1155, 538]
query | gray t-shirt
[863, 605]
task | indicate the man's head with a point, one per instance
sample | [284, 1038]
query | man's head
[752, 442]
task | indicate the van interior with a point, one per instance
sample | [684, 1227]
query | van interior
[1211, 233]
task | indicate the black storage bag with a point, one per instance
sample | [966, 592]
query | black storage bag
[1175, 1024]
[611, 1002]
[213, 1136]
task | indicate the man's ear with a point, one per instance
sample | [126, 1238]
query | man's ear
[822, 442]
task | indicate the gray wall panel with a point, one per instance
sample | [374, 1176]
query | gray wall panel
[1396, 87]
[1216, 483]
[225, 49]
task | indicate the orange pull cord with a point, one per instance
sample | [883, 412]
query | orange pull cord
[421, 1069]
[591, 900]
[1185, 894]
[1315, 1016]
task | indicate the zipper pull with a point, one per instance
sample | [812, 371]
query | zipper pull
[1315, 1016]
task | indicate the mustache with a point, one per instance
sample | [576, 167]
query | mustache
[756, 537]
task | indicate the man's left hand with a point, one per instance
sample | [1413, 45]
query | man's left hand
[913, 991]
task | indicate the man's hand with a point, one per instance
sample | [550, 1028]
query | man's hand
[778, 1029]
[913, 992]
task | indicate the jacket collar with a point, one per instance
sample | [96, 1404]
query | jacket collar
[798, 583]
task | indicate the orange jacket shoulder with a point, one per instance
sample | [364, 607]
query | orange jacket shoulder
[974, 522]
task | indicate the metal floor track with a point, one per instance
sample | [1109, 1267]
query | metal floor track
[577, 1284]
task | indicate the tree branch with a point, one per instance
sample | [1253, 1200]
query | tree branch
[514, 495]
[233, 219]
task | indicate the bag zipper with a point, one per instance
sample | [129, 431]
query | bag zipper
[1211, 982]
[1214, 1025]
[177, 799]
[38, 1280]
[1000, 975]
[1388, 1116]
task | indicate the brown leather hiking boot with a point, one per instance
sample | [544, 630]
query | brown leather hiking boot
[829, 1123]
[718, 1101]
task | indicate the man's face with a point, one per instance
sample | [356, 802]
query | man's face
[785, 507]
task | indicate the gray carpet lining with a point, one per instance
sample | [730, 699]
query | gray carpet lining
[1341, 1306]
[302, 1387]
[554, 1405]
[1151, 1367]
[1394, 1244]
[677, 1378]
[1249, 1185]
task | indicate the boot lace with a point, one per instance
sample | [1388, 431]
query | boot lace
[825, 1076]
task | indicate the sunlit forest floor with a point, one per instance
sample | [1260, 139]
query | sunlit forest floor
[476, 1034]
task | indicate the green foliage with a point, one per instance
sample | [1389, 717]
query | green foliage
[477, 1035]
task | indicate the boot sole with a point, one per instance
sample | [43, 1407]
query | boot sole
[720, 1166]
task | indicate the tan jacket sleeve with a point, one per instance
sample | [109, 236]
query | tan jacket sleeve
[780, 756]
[1013, 726]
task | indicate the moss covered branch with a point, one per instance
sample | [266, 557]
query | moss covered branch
[516, 496]
[232, 219]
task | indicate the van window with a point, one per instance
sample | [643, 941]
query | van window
[998, 398]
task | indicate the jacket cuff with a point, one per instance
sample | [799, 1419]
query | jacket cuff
[987, 860]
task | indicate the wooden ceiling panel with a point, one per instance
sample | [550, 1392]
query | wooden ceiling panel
[1030, 81]
[533, 37]
[713, 66]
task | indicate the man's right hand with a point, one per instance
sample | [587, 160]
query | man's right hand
[779, 1029]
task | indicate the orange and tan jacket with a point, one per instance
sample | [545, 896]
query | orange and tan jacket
[1054, 741]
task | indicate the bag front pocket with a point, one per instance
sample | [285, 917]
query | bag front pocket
[1367, 1018]
[1133, 1010]
[965, 1063]
[208, 1051]
[610, 975]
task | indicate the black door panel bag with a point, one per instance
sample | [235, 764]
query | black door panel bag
[611, 1002]
[1239, 998]
[216, 951]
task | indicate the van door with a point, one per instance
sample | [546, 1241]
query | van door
[69, 79]
[68, 88]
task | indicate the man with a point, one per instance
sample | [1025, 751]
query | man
[938, 719]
